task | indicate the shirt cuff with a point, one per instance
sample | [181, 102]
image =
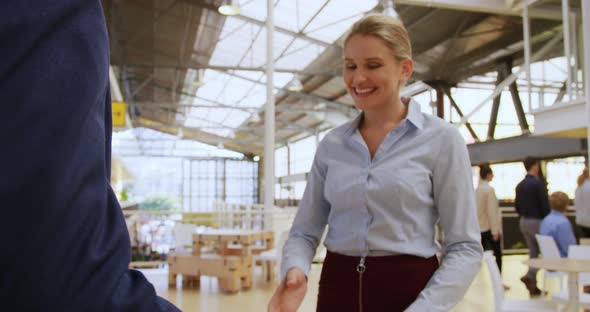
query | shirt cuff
[289, 263]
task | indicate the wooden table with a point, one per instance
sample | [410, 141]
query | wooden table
[223, 237]
[232, 266]
[573, 267]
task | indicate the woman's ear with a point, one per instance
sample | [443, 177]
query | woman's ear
[407, 68]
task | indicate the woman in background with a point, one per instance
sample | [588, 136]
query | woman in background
[582, 203]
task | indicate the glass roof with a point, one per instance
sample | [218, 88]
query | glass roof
[234, 88]
[148, 142]
[235, 94]
[337, 17]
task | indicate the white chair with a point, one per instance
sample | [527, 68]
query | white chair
[576, 252]
[501, 305]
[183, 236]
[271, 259]
[581, 253]
[549, 250]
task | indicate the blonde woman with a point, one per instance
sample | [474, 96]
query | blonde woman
[381, 182]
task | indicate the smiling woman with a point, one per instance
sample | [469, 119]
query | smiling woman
[374, 76]
[381, 182]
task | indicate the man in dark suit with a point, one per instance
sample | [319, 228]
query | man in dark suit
[532, 205]
[65, 246]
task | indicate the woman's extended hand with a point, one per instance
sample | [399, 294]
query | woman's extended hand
[290, 293]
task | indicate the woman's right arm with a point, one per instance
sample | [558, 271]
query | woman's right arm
[305, 234]
[310, 220]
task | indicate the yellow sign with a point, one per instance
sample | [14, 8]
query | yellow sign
[119, 110]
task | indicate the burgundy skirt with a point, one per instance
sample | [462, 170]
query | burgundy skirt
[389, 283]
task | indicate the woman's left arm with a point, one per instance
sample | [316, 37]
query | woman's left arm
[454, 201]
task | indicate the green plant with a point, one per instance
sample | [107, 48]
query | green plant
[160, 202]
[124, 195]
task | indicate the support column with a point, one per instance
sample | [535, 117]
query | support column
[440, 102]
[512, 78]
[526, 29]
[269, 119]
[447, 91]
[565, 10]
[586, 34]
[495, 105]
[506, 71]
[260, 181]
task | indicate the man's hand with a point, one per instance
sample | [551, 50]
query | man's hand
[290, 293]
[496, 237]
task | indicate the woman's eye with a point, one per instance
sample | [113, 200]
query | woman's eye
[350, 66]
[374, 65]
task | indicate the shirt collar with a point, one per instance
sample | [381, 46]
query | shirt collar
[558, 213]
[414, 117]
[414, 113]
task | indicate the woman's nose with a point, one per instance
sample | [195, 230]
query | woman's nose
[358, 77]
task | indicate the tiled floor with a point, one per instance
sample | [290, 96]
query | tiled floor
[208, 297]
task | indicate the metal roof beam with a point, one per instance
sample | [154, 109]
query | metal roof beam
[304, 108]
[487, 6]
[518, 148]
[195, 66]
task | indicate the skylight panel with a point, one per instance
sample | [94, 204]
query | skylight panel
[232, 25]
[255, 9]
[223, 132]
[196, 121]
[295, 14]
[236, 118]
[337, 17]
[163, 144]
[236, 37]
[258, 58]
[299, 55]
[217, 115]
[280, 79]
[214, 84]
[256, 97]
[248, 74]
[236, 89]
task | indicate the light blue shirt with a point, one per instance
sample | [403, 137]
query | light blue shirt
[582, 204]
[419, 176]
[559, 227]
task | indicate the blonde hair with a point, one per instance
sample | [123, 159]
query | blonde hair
[390, 30]
[583, 177]
[559, 201]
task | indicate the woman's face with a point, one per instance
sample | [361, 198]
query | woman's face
[372, 74]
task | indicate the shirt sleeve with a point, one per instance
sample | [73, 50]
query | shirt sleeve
[56, 136]
[310, 221]
[493, 212]
[577, 199]
[544, 199]
[517, 201]
[455, 202]
[565, 237]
